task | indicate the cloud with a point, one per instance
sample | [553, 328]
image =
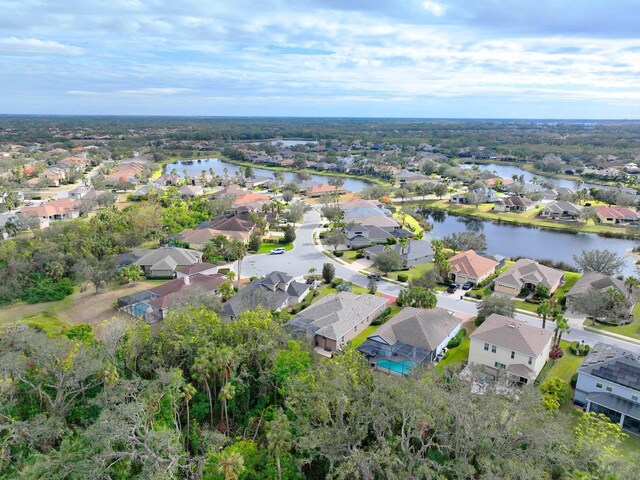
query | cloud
[434, 7]
[33, 46]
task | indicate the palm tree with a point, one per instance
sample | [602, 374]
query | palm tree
[631, 283]
[231, 275]
[188, 391]
[279, 438]
[230, 464]
[238, 249]
[561, 326]
[403, 244]
[226, 394]
[201, 370]
[544, 310]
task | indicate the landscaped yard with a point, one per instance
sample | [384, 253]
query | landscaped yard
[362, 336]
[632, 330]
[413, 272]
[566, 366]
[267, 247]
[457, 355]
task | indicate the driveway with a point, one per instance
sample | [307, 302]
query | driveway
[306, 255]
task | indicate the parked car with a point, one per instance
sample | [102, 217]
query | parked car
[374, 276]
[467, 286]
[277, 251]
[453, 287]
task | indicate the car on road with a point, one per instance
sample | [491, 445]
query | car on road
[453, 287]
[277, 251]
[374, 276]
[467, 286]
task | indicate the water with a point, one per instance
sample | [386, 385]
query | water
[218, 166]
[403, 368]
[514, 241]
[508, 171]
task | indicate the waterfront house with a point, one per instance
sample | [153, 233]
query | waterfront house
[527, 274]
[617, 215]
[416, 252]
[561, 211]
[468, 266]
[514, 203]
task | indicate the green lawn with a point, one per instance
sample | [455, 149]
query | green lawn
[632, 330]
[457, 355]
[267, 247]
[325, 290]
[566, 366]
[362, 336]
[350, 256]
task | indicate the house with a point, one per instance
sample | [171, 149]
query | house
[202, 268]
[369, 214]
[164, 261]
[337, 318]
[597, 282]
[59, 209]
[318, 190]
[527, 274]
[416, 252]
[413, 337]
[498, 183]
[502, 343]
[609, 383]
[229, 190]
[488, 195]
[154, 304]
[78, 192]
[274, 292]
[234, 228]
[190, 191]
[514, 203]
[561, 211]
[617, 215]
[468, 266]
[360, 236]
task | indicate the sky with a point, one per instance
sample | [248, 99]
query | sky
[318, 58]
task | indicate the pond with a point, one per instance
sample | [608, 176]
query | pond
[195, 167]
[514, 241]
[508, 171]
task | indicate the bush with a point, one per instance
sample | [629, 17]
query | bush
[574, 380]
[336, 282]
[403, 277]
[382, 318]
[360, 254]
[328, 272]
[322, 234]
[46, 290]
[479, 320]
[556, 353]
[579, 349]
[338, 254]
[457, 340]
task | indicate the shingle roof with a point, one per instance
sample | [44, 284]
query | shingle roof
[195, 268]
[617, 212]
[181, 256]
[509, 333]
[597, 281]
[614, 364]
[471, 264]
[516, 201]
[530, 271]
[561, 207]
[418, 327]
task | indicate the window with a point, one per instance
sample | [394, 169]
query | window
[530, 361]
[501, 366]
[609, 389]
[634, 398]
[486, 347]
[493, 349]
[598, 385]
[513, 355]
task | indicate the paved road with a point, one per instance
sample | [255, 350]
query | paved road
[306, 255]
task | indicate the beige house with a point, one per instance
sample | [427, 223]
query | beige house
[468, 266]
[526, 273]
[502, 343]
[514, 203]
[336, 319]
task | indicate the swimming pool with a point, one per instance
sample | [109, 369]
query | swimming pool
[402, 368]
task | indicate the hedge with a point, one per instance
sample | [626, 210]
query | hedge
[457, 340]
[479, 320]
[338, 254]
[578, 349]
[403, 277]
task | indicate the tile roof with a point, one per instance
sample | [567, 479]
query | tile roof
[471, 264]
[508, 333]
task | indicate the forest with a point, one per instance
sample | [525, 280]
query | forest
[198, 398]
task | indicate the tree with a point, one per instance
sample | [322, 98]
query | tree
[287, 195]
[589, 213]
[496, 304]
[475, 197]
[328, 272]
[372, 286]
[417, 297]
[248, 172]
[295, 212]
[279, 438]
[402, 193]
[238, 249]
[254, 242]
[388, 260]
[332, 212]
[609, 305]
[335, 238]
[632, 283]
[546, 309]
[230, 464]
[462, 241]
[130, 274]
[97, 272]
[603, 261]
[289, 233]
[440, 189]
[561, 326]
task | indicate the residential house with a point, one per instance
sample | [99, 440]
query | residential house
[597, 282]
[413, 337]
[617, 215]
[234, 228]
[154, 304]
[468, 266]
[514, 203]
[369, 214]
[609, 383]
[561, 211]
[274, 292]
[79, 192]
[416, 252]
[337, 318]
[360, 236]
[502, 343]
[229, 190]
[190, 191]
[527, 274]
[202, 268]
[59, 209]
[488, 195]
[318, 190]
[164, 261]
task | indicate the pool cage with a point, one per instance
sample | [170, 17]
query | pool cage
[398, 358]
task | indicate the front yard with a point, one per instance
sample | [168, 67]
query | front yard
[632, 330]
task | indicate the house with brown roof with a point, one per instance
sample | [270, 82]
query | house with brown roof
[319, 190]
[617, 215]
[502, 343]
[59, 209]
[514, 203]
[468, 266]
[527, 274]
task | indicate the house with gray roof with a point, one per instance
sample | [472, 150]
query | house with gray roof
[609, 383]
[413, 337]
[360, 235]
[274, 292]
[514, 203]
[502, 343]
[561, 211]
[163, 261]
[592, 282]
[337, 318]
[416, 252]
[527, 274]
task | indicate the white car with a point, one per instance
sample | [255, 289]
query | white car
[277, 251]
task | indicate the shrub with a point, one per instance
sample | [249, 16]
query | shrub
[338, 254]
[46, 290]
[574, 380]
[360, 254]
[403, 277]
[383, 317]
[457, 340]
[579, 349]
[328, 272]
[322, 234]
[336, 282]
[556, 353]
[479, 320]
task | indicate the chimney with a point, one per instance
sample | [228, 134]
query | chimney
[186, 279]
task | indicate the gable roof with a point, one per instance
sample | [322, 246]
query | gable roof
[196, 268]
[418, 327]
[596, 281]
[614, 364]
[561, 207]
[471, 264]
[174, 291]
[617, 212]
[515, 201]
[180, 256]
[508, 333]
[530, 271]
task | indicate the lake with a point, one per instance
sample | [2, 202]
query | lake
[513, 241]
[508, 171]
[195, 167]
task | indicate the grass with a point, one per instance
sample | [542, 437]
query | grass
[457, 355]
[631, 330]
[326, 289]
[267, 247]
[413, 272]
[350, 256]
[566, 366]
[407, 221]
[363, 335]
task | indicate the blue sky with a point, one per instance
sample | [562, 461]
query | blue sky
[380, 58]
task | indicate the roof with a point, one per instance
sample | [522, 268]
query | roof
[616, 403]
[52, 207]
[596, 281]
[617, 212]
[418, 327]
[414, 249]
[530, 271]
[378, 220]
[173, 292]
[521, 370]
[196, 268]
[471, 264]
[322, 189]
[561, 207]
[247, 198]
[508, 333]
[232, 224]
[336, 314]
[229, 190]
[614, 364]
[181, 256]
[515, 201]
